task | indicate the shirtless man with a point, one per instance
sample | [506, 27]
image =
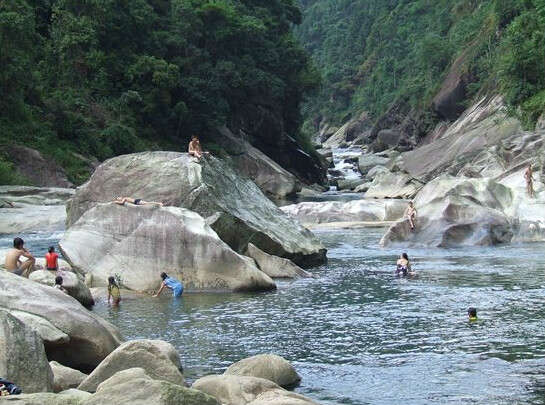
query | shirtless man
[13, 262]
[410, 213]
[194, 148]
[136, 201]
[529, 181]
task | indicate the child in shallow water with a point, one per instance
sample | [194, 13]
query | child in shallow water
[113, 292]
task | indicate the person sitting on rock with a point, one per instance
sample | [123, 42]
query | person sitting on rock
[528, 176]
[13, 263]
[170, 282]
[113, 292]
[58, 284]
[51, 259]
[410, 213]
[195, 149]
[403, 265]
[136, 201]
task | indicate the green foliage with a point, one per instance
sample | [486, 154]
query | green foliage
[375, 52]
[102, 77]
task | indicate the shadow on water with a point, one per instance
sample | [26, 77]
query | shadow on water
[359, 335]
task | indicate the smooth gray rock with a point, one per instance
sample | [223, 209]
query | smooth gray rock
[22, 356]
[457, 212]
[72, 335]
[268, 366]
[353, 211]
[393, 185]
[244, 390]
[138, 243]
[65, 376]
[146, 391]
[72, 282]
[155, 357]
[274, 266]
[30, 209]
[233, 206]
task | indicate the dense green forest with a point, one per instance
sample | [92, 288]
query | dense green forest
[99, 78]
[375, 52]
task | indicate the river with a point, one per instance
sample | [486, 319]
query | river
[358, 335]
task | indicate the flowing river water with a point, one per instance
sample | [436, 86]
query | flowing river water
[358, 335]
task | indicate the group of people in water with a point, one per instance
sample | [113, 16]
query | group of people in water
[14, 263]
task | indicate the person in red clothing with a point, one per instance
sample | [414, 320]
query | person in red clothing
[52, 259]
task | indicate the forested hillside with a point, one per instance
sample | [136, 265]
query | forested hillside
[99, 78]
[375, 52]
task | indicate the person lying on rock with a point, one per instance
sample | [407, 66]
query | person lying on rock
[13, 263]
[170, 282]
[136, 201]
[195, 149]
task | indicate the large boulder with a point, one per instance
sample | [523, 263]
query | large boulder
[72, 335]
[270, 177]
[73, 283]
[310, 213]
[233, 206]
[366, 162]
[268, 366]
[22, 356]
[244, 390]
[31, 209]
[40, 170]
[66, 377]
[134, 387]
[274, 266]
[139, 242]
[457, 212]
[155, 357]
[393, 185]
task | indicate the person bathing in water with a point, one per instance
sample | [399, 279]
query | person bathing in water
[170, 282]
[403, 265]
[136, 201]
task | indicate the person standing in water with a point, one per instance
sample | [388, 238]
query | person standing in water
[403, 265]
[113, 292]
[170, 282]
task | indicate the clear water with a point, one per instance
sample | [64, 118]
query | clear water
[358, 335]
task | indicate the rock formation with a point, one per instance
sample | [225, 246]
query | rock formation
[233, 206]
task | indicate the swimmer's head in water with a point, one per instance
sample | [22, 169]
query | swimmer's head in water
[472, 312]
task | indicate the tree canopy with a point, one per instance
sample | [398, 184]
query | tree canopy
[375, 52]
[106, 77]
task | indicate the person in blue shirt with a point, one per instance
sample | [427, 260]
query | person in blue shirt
[170, 282]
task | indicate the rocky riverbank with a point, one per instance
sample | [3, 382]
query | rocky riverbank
[465, 177]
